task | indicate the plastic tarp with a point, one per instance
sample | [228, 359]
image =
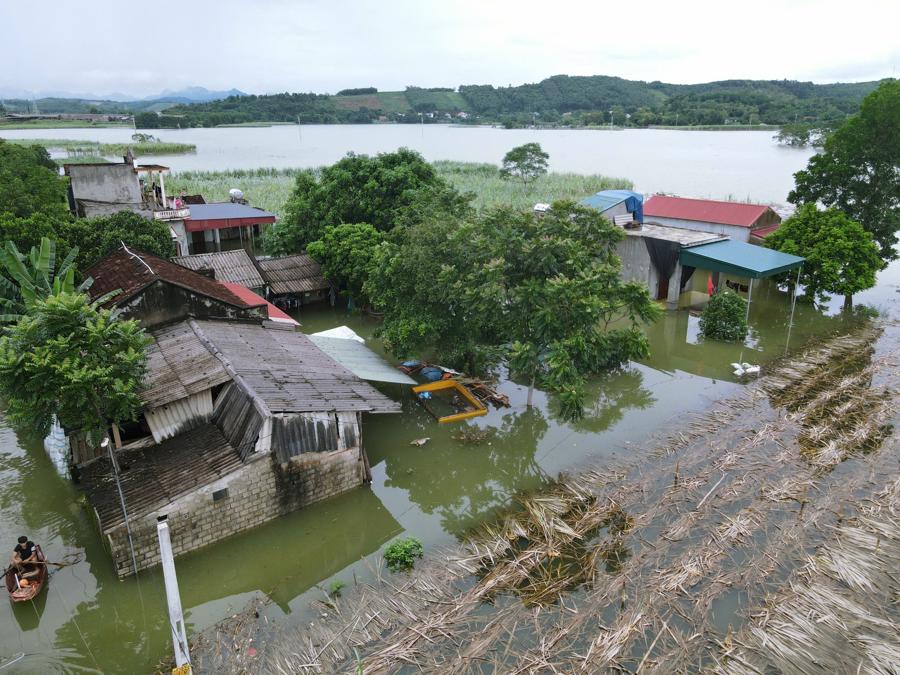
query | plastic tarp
[606, 199]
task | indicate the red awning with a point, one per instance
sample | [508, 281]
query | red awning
[223, 223]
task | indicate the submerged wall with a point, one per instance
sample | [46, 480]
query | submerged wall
[259, 491]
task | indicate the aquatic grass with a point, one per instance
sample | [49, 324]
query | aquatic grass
[76, 148]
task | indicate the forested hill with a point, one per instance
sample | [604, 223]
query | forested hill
[558, 100]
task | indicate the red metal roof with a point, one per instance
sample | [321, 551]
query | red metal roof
[763, 232]
[704, 210]
[130, 270]
[252, 298]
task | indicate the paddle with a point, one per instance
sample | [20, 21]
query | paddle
[39, 562]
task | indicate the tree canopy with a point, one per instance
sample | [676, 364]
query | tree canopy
[69, 359]
[32, 277]
[841, 257]
[525, 163]
[346, 253]
[96, 237]
[544, 292]
[858, 170]
[31, 184]
[375, 190]
[725, 318]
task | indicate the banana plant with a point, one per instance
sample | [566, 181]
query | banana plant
[34, 276]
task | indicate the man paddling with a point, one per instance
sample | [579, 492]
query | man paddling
[23, 554]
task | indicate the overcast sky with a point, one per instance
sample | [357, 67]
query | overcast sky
[264, 46]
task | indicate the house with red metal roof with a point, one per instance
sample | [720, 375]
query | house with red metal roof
[225, 225]
[739, 221]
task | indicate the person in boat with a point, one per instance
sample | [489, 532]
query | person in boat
[23, 557]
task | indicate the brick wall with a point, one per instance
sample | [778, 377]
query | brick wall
[258, 492]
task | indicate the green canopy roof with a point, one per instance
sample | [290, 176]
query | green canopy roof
[739, 259]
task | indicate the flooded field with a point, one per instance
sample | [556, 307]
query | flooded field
[89, 621]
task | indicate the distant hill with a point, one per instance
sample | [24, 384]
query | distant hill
[116, 103]
[558, 100]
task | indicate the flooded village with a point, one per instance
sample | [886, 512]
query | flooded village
[584, 374]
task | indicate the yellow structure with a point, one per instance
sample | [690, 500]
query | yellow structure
[441, 385]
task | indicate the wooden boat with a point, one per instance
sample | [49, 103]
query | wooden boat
[18, 593]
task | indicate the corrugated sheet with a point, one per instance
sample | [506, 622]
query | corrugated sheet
[704, 210]
[290, 373]
[233, 266]
[360, 360]
[226, 210]
[239, 419]
[179, 416]
[178, 366]
[154, 477]
[293, 274]
[294, 435]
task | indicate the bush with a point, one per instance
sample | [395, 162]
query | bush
[724, 317]
[402, 554]
[334, 590]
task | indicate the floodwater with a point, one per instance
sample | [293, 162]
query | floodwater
[715, 164]
[89, 621]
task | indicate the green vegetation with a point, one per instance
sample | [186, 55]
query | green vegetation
[841, 257]
[34, 277]
[69, 359]
[401, 555]
[266, 188]
[335, 588]
[79, 147]
[725, 318]
[543, 293]
[59, 124]
[525, 163]
[96, 237]
[858, 171]
[345, 253]
[31, 185]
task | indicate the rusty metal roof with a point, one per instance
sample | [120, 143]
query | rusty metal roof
[130, 271]
[704, 210]
[293, 274]
[178, 365]
[288, 372]
[155, 476]
[236, 267]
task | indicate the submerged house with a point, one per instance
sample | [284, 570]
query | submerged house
[295, 280]
[243, 418]
[739, 221]
[236, 267]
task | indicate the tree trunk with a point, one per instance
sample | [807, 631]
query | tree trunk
[848, 302]
[531, 391]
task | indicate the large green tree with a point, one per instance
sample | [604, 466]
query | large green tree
[69, 359]
[858, 170]
[543, 292]
[525, 163]
[376, 190]
[95, 237]
[841, 257]
[30, 182]
[346, 253]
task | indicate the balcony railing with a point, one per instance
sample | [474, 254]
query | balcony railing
[172, 214]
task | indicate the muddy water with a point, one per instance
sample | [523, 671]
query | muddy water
[88, 621]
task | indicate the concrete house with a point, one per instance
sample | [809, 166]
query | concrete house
[738, 221]
[243, 418]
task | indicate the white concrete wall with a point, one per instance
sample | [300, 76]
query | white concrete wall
[736, 232]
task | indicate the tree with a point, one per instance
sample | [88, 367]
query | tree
[525, 163]
[345, 253]
[69, 359]
[858, 171]
[31, 183]
[357, 189]
[28, 232]
[841, 257]
[96, 237]
[545, 293]
[34, 277]
[725, 317]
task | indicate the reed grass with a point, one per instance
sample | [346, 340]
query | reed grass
[79, 147]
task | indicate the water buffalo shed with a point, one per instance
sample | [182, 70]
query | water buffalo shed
[236, 267]
[737, 220]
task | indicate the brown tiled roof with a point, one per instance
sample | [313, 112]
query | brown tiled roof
[293, 274]
[155, 476]
[130, 271]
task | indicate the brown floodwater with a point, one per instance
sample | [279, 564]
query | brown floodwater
[89, 621]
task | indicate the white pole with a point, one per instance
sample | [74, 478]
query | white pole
[162, 188]
[749, 300]
[176, 618]
[794, 296]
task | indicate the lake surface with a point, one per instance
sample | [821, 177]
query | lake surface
[89, 621]
[745, 165]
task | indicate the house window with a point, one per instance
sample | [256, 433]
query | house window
[220, 494]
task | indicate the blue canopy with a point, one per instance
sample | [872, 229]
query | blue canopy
[739, 259]
[606, 199]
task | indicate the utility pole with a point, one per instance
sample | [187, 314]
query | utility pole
[173, 598]
[610, 119]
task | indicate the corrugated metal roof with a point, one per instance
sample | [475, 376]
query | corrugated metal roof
[289, 372]
[179, 416]
[736, 257]
[606, 199]
[247, 295]
[293, 274]
[360, 360]
[154, 477]
[178, 365]
[704, 210]
[233, 266]
[226, 210]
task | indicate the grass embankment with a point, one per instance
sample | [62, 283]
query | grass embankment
[270, 188]
[76, 147]
[60, 124]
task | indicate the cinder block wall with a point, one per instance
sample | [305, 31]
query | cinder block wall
[258, 492]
